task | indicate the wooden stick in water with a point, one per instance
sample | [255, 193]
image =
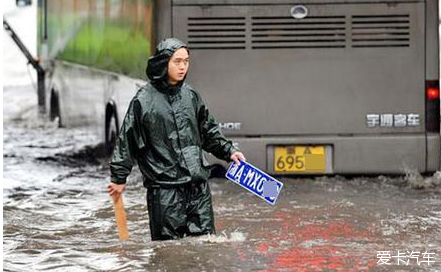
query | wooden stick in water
[120, 216]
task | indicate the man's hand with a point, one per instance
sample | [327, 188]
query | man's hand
[236, 156]
[115, 190]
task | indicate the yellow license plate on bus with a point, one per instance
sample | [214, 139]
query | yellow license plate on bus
[299, 158]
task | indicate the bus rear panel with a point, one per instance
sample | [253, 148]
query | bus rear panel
[322, 87]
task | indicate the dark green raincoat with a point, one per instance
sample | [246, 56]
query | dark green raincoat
[165, 130]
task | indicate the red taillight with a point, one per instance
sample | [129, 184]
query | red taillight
[432, 106]
[432, 93]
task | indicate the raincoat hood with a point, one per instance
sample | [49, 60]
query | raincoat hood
[157, 65]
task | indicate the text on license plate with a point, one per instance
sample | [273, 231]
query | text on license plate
[299, 158]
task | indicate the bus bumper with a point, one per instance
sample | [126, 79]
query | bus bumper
[380, 154]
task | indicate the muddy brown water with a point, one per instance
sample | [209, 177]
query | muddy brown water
[58, 217]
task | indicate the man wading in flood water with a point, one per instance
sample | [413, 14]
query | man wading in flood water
[166, 127]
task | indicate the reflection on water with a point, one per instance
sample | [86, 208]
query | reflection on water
[58, 217]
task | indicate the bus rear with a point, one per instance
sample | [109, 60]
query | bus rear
[322, 87]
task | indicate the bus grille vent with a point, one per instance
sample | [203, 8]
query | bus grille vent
[216, 32]
[287, 32]
[380, 31]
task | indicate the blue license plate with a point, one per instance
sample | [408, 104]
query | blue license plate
[255, 180]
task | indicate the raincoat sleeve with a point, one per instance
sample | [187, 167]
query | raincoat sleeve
[213, 140]
[128, 144]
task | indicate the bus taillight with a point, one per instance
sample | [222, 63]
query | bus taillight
[432, 106]
[432, 93]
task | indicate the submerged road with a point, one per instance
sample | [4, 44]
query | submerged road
[57, 215]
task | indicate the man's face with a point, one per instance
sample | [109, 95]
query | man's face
[178, 66]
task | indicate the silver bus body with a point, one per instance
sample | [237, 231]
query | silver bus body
[346, 83]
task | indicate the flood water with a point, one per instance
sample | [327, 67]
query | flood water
[57, 216]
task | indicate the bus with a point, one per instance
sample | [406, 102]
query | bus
[315, 88]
